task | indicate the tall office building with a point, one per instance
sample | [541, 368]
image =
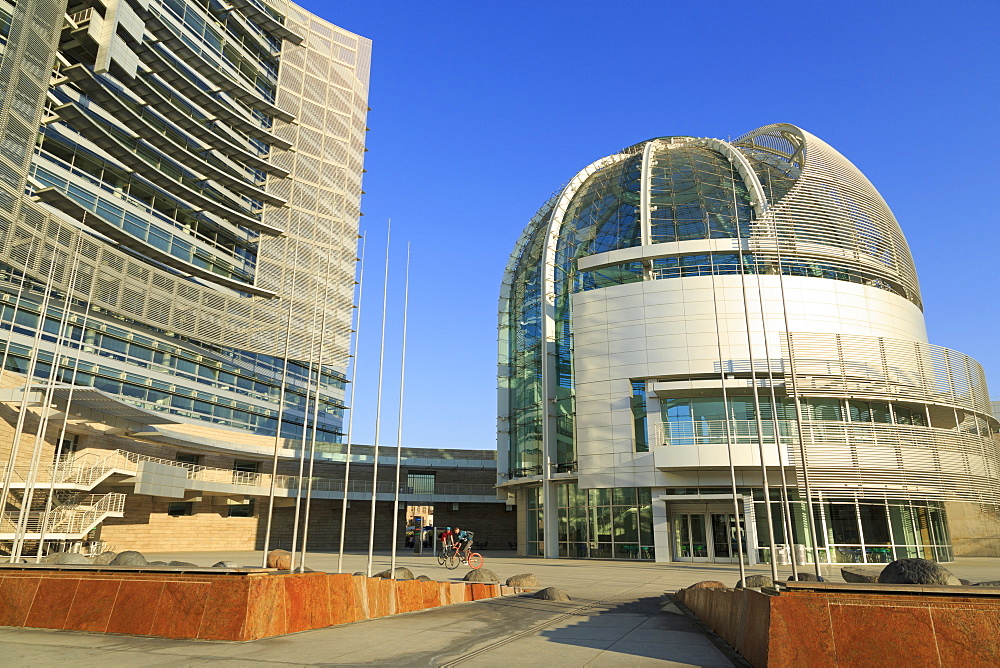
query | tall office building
[699, 335]
[179, 205]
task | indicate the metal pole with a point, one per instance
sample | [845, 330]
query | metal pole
[65, 422]
[315, 417]
[305, 429]
[43, 419]
[281, 412]
[29, 374]
[399, 425]
[350, 418]
[25, 285]
[378, 402]
[753, 387]
[740, 534]
[795, 395]
[785, 503]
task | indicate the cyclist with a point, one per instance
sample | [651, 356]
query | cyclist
[446, 539]
[464, 539]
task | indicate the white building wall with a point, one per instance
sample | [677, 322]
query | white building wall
[667, 328]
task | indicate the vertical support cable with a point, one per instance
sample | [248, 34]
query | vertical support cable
[315, 417]
[378, 400]
[399, 424]
[350, 417]
[281, 410]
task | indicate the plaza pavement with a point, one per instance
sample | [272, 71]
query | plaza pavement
[613, 619]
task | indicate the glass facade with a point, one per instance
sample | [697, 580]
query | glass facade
[595, 523]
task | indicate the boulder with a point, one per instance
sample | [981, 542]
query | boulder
[402, 573]
[129, 558]
[756, 582]
[708, 584]
[552, 594]
[359, 573]
[522, 580]
[423, 578]
[68, 558]
[104, 558]
[280, 559]
[988, 583]
[860, 574]
[807, 576]
[917, 571]
[184, 564]
[226, 564]
[481, 575]
[965, 583]
[157, 563]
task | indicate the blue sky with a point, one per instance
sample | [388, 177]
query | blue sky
[480, 110]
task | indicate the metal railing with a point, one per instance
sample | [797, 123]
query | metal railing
[715, 432]
[74, 518]
[87, 469]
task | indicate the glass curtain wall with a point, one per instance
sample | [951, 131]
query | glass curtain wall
[605, 523]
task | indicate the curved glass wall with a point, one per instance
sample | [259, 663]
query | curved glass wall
[695, 193]
[525, 357]
[603, 215]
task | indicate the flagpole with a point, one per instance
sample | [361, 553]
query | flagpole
[399, 425]
[350, 418]
[378, 403]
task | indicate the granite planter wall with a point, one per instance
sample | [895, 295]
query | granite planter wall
[832, 624]
[212, 604]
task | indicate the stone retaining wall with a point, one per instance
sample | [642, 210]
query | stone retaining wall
[831, 624]
[228, 605]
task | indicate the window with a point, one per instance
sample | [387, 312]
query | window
[188, 458]
[68, 445]
[641, 430]
[179, 508]
[242, 509]
[420, 482]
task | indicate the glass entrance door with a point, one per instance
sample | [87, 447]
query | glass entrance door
[726, 536]
[690, 537]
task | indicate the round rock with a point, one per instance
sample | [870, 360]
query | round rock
[481, 575]
[280, 559]
[157, 563]
[422, 578]
[226, 564]
[69, 558]
[129, 558]
[184, 564]
[756, 582]
[552, 594]
[104, 558]
[917, 571]
[708, 584]
[806, 576]
[402, 573]
[522, 580]
[860, 574]
[988, 583]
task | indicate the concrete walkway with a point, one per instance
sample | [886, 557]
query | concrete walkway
[614, 619]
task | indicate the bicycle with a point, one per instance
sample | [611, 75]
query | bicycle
[452, 557]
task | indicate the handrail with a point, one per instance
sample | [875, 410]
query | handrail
[88, 468]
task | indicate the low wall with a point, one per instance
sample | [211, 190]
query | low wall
[832, 624]
[244, 604]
